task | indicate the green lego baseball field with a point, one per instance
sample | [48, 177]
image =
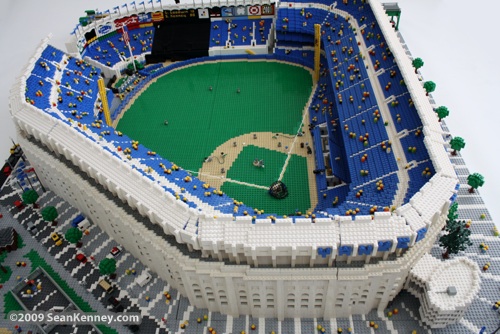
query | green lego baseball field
[186, 115]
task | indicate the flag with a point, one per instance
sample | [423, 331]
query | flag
[133, 3]
[106, 11]
[125, 5]
[116, 7]
[150, 1]
[125, 35]
[158, 1]
[141, 3]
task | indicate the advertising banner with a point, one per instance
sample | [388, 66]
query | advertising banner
[254, 10]
[144, 17]
[240, 11]
[267, 9]
[226, 11]
[104, 29]
[203, 13]
[249, 10]
[157, 16]
[215, 12]
[126, 21]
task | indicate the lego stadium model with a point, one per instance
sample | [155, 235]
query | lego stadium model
[282, 160]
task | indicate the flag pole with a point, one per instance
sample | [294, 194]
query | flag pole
[125, 34]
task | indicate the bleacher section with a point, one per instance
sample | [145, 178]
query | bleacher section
[301, 21]
[150, 69]
[238, 32]
[110, 49]
[64, 86]
[357, 110]
[403, 112]
[354, 119]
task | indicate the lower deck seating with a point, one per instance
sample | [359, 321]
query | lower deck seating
[110, 49]
[63, 85]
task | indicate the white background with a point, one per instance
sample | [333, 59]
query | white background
[456, 39]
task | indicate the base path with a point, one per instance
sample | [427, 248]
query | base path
[210, 172]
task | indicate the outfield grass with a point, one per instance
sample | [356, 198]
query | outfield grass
[271, 99]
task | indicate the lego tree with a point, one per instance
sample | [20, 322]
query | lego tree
[429, 87]
[4, 269]
[108, 267]
[475, 181]
[49, 213]
[442, 112]
[417, 63]
[30, 197]
[138, 66]
[456, 237]
[74, 235]
[457, 143]
[452, 212]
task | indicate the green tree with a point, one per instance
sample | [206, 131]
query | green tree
[30, 197]
[4, 270]
[50, 214]
[452, 212]
[442, 112]
[475, 181]
[456, 238]
[457, 143]
[108, 267]
[417, 63]
[429, 87]
[74, 235]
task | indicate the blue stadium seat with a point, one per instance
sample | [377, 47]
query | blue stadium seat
[108, 48]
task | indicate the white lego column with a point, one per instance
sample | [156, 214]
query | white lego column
[253, 42]
[231, 297]
[280, 300]
[228, 42]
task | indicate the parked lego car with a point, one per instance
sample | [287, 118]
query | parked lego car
[57, 309]
[77, 220]
[106, 286]
[57, 239]
[133, 328]
[82, 258]
[117, 306]
[81, 223]
[143, 279]
[115, 251]
[32, 228]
